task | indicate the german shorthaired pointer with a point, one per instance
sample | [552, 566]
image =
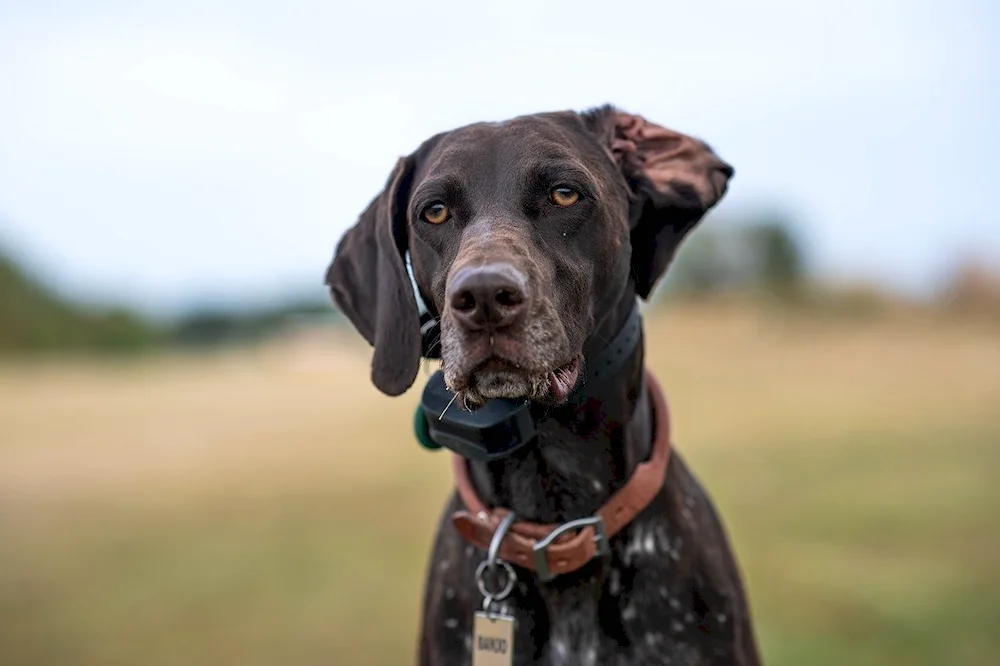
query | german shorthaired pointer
[528, 243]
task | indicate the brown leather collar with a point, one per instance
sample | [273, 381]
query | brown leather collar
[527, 544]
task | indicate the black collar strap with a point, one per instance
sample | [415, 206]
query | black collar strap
[612, 358]
[502, 426]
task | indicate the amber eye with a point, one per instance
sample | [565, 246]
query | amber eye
[436, 213]
[564, 196]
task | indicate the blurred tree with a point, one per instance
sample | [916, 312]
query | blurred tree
[974, 286]
[782, 260]
[760, 254]
[35, 319]
[213, 326]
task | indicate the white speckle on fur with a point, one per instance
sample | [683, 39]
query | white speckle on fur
[615, 582]
[445, 565]
[721, 617]
[598, 486]
[676, 627]
[449, 593]
[653, 639]
[468, 643]
[675, 555]
[633, 547]
[573, 641]
[689, 617]
[686, 513]
[664, 592]
[676, 605]
[628, 613]
[689, 501]
[649, 544]
[470, 551]
[451, 623]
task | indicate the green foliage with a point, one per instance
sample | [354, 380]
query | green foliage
[36, 320]
[210, 327]
[754, 255]
[781, 263]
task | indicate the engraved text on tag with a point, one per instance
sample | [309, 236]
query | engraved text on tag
[492, 639]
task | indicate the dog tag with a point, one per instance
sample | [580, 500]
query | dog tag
[492, 639]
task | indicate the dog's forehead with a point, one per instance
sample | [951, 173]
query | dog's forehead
[506, 144]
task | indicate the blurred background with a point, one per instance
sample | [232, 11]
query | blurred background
[194, 467]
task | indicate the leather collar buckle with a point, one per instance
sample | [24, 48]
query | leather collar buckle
[540, 549]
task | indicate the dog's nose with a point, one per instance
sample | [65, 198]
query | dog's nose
[494, 296]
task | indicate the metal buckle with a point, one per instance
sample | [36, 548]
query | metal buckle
[600, 538]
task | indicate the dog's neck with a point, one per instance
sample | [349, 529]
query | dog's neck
[586, 449]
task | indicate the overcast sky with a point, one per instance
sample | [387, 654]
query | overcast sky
[156, 153]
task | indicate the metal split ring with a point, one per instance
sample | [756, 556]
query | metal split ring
[492, 561]
[510, 576]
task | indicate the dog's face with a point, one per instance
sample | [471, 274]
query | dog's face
[517, 232]
[522, 235]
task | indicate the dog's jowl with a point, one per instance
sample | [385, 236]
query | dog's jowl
[517, 252]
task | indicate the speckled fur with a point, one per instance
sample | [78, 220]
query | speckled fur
[671, 592]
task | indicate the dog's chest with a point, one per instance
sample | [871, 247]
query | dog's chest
[650, 634]
[655, 604]
[652, 608]
[572, 635]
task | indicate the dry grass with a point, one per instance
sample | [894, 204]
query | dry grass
[269, 506]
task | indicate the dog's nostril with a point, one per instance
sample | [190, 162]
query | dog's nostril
[508, 298]
[464, 301]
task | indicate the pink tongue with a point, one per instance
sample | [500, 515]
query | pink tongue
[562, 382]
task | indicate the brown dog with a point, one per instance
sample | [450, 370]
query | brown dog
[530, 240]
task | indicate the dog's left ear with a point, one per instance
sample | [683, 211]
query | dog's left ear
[675, 179]
[369, 283]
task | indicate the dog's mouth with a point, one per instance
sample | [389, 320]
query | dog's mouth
[497, 377]
[563, 380]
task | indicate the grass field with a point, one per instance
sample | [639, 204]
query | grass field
[268, 506]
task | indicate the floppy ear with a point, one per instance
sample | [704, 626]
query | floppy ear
[369, 283]
[675, 179]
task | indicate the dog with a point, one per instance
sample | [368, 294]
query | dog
[530, 242]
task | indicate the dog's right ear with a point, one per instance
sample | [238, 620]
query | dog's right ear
[369, 283]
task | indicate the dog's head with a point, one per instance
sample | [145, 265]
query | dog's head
[520, 235]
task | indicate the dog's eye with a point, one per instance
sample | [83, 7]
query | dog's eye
[436, 213]
[564, 196]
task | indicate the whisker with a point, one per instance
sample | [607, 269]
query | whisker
[436, 340]
[601, 338]
[447, 406]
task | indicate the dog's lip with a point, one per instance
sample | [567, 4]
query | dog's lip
[500, 363]
[563, 380]
[497, 363]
